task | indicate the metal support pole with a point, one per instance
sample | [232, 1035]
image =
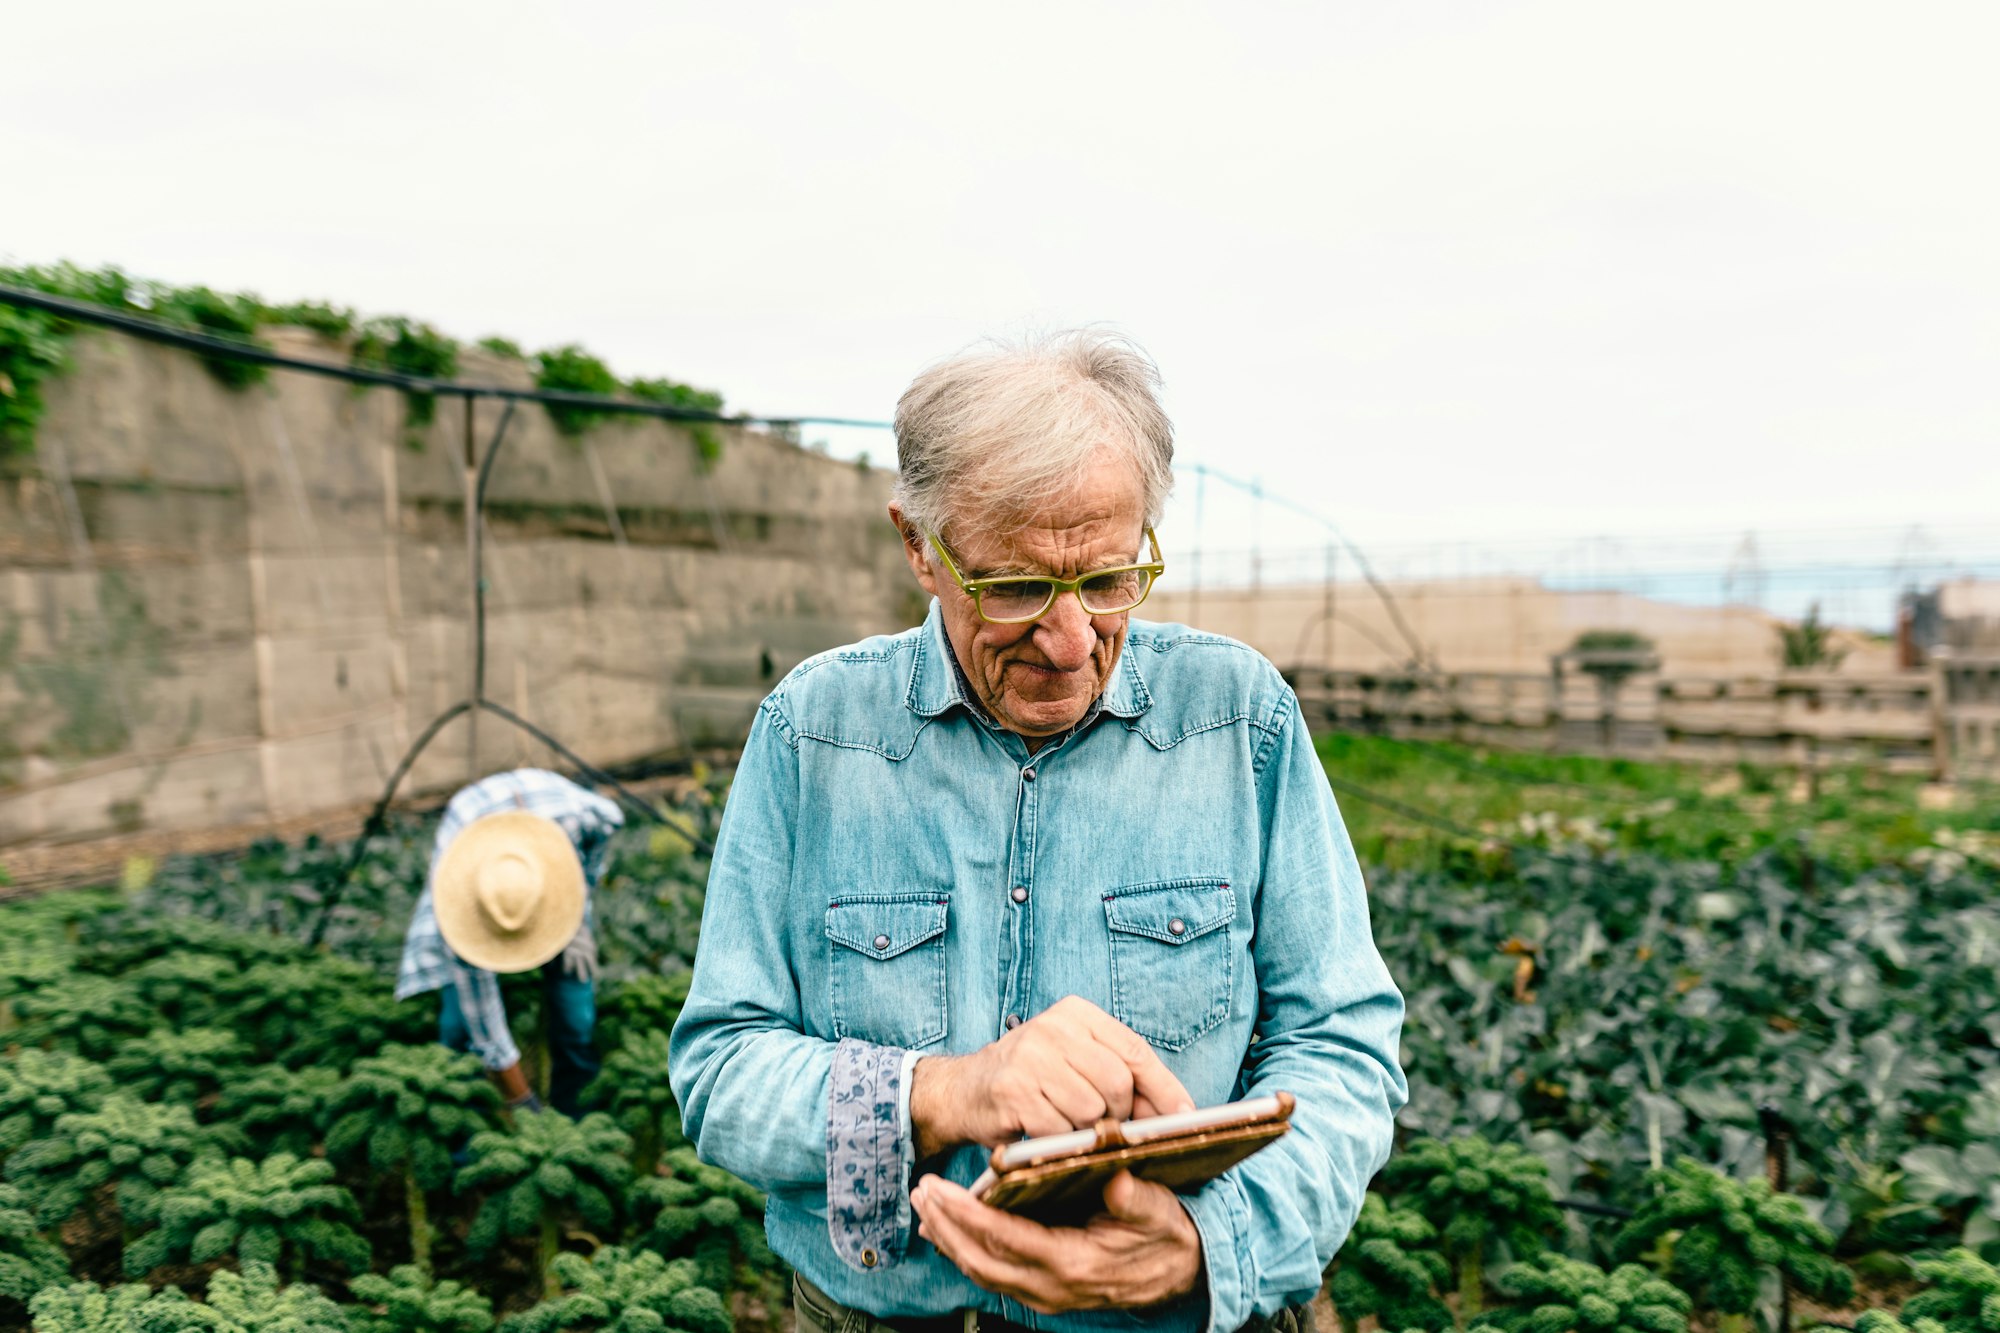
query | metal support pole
[476, 635]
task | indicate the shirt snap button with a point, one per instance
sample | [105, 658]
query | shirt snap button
[1019, 895]
[1013, 1021]
[1027, 775]
[882, 941]
[1174, 927]
[868, 1258]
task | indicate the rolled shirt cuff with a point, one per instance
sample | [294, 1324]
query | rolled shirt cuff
[1222, 1218]
[868, 1154]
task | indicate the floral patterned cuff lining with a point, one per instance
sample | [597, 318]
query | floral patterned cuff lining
[867, 1211]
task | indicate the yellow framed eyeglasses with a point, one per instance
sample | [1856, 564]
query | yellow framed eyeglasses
[1017, 599]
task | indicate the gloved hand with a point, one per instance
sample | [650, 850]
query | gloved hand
[579, 958]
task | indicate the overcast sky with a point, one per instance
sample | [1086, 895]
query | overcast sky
[1494, 271]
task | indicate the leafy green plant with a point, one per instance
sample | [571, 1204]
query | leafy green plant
[404, 1111]
[281, 1109]
[632, 1089]
[328, 321]
[1962, 1293]
[707, 436]
[1554, 1294]
[219, 314]
[85, 1307]
[136, 1148]
[407, 1301]
[408, 347]
[499, 346]
[1388, 1269]
[89, 1015]
[187, 989]
[188, 1066]
[1476, 1194]
[33, 349]
[1809, 644]
[548, 1171]
[1964, 1175]
[570, 369]
[648, 1002]
[700, 1212]
[29, 1261]
[270, 1211]
[37, 1088]
[627, 1291]
[1721, 1234]
[253, 1302]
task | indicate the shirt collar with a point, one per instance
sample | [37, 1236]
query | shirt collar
[937, 685]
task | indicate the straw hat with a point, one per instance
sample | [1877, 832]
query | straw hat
[509, 892]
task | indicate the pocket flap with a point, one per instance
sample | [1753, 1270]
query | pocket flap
[1174, 912]
[883, 925]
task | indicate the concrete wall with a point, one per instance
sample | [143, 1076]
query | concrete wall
[222, 608]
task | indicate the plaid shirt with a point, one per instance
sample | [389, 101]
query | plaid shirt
[428, 964]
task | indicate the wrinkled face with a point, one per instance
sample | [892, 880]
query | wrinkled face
[1038, 680]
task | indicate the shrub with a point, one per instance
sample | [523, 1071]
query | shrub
[407, 1301]
[1475, 1193]
[135, 1147]
[28, 1260]
[37, 1088]
[262, 1212]
[623, 1290]
[403, 1111]
[549, 1169]
[1388, 1269]
[1723, 1233]
[570, 369]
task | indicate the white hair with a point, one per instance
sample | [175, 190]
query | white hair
[1005, 429]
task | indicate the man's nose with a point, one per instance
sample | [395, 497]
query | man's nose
[1066, 634]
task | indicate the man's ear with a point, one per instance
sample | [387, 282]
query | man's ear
[916, 549]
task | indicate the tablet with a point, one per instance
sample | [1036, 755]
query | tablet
[1060, 1178]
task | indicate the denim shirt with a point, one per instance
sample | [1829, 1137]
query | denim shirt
[897, 876]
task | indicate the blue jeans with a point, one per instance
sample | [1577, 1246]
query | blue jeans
[569, 1012]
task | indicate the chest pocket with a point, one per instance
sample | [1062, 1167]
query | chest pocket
[1171, 958]
[886, 969]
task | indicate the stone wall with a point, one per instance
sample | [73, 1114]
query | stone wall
[225, 608]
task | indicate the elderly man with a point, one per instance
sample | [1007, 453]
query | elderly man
[1028, 865]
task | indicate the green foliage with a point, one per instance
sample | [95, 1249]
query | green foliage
[328, 321]
[405, 1111]
[548, 1170]
[1388, 1269]
[1962, 1173]
[33, 349]
[279, 1109]
[632, 1088]
[222, 315]
[85, 1307]
[1962, 1293]
[704, 1214]
[1809, 645]
[707, 436]
[169, 1066]
[625, 1292]
[408, 347]
[136, 1147]
[252, 1302]
[37, 1088]
[89, 1015]
[648, 1003]
[407, 1301]
[1476, 1194]
[506, 347]
[1723, 1233]
[28, 1260]
[270, 1211]
[570, 369]
[1554, 1294]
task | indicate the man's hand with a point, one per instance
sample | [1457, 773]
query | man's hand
[1141, 1250]
[1069, 1066]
